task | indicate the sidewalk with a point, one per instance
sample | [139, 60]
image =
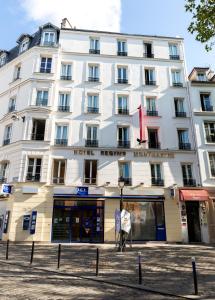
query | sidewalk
[165, 267]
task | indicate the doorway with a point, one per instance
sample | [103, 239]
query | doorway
[193, 222]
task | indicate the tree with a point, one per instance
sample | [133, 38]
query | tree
[203, 21]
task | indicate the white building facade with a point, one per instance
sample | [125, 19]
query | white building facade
[69, 129]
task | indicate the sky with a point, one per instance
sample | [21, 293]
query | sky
[153, 17]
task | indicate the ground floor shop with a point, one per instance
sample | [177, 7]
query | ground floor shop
[52, 214]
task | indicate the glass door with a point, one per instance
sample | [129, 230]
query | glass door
[61, 224]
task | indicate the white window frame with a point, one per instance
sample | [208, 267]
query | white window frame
[49, 42]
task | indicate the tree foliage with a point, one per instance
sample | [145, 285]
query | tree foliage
[203, 21]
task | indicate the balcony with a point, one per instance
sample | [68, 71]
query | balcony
[90, 180]
[177, 84]
[122, 81]
[6, 142]
[174, 57]
[153, 145]
[94, 51]
[189, 182]
[91, 143]
[184, 146]
[157, 181]
[58, 180]
[208, 108]
[61, 142]
[37, 137]
[150, 82]
[64, 108]
[148, 55]
[93, 79]
[11, 108]
[123, 111]
[124, 144]
[66, 77]
[49, 44]
[33, 178]
[92, 110]
[180, 114]
[45, 70]
[152, 113]
[210, 138]
[122, 53]
[127, 180]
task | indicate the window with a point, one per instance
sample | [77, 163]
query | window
[93, 73]
[61, 135]
[124, 172]
[150, 77]
[92, 103]
[201, 77]
[183, 139]
[92, 140]
[94, 46]
[173, 52]
[48, 39]
[123, 105]
[59, 171]
[17, 72]
[205, 99]
[187, 175]
[176, 78]
[12, 105]
[46, 65]
[66, 72]
[3, 172]
[3, 59]
[156, 176]
[64, 102]
[210, 131]
[90, 171]
[179, 107]
[34, 169]
[151, 107]
[212, 163]
[38, 130]
[153, 138]
[122, 74]
[148, 50]
[24, 45]
[123, 137]
[122, 48]
[7, 135]
[42, 98]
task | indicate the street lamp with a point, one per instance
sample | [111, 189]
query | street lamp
[121, 184]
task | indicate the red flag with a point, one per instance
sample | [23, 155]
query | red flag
[142, 133]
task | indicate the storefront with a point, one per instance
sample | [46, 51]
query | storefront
[194, 210]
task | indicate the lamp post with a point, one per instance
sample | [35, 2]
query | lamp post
[121, 185]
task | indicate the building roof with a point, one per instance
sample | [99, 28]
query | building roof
[122, 34]
[198, 69]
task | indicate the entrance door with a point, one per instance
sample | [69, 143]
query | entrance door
[193, 222]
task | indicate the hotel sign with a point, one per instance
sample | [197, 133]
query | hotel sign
[139, 153]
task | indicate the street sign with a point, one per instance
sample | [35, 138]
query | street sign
[125, 221]
[82, 190]
[33, 222]
[6, 189]
[26, 222]
[6, 221]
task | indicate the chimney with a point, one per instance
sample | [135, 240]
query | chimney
[65, 24]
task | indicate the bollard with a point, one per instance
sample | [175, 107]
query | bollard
[97, 261]
[58, 257]
[7, 250]
[140, 267]
[195, 276]
[32, 253]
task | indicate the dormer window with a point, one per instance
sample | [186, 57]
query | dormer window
[3, 59]
[201, 77]
[24, 45]
[49, 38]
